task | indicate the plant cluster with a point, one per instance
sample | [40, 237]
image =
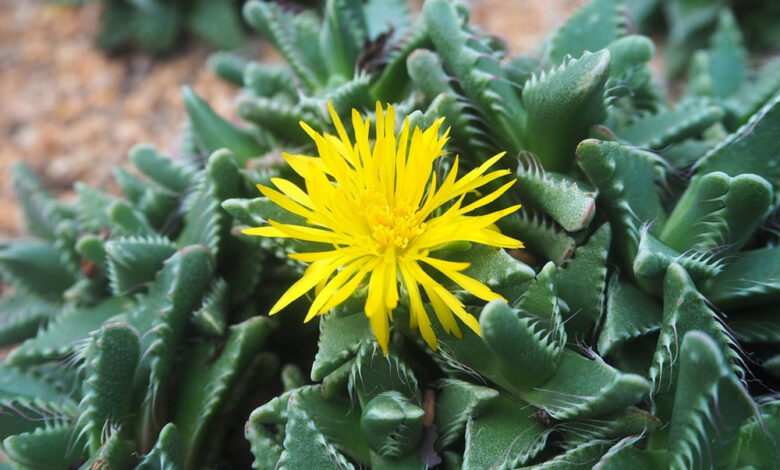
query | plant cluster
[156, 26]
[639, 328]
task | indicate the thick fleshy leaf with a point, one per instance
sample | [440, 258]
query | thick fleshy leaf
[753, 148]
[456, 403]
[22, 315]
[35, 267]
[478, 72]
[206, 383]
[685, 309]
[64, 335]
[133, 262]
[749, 278]
[583, 388]
[718, 211]
[562, 105]
[166, 454]
[582, 283]
[627, 179]
[374, 373]
[630, 313]
[539, 235]
[340, 338]
[46, 448]
[710, 405]
[215, 133]
[656, 131]
[161, 168]
[504, 436]
[580, 33]
[561, 198]
[110, 369]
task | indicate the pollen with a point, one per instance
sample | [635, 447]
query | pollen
[392, 226]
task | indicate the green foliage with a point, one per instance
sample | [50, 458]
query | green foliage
[156, 26]
[646, 294]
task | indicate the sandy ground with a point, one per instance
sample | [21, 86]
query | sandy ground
[71, 112]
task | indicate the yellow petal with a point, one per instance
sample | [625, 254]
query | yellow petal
[469, 284]
[266, 231]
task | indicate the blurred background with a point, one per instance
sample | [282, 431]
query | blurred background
[72, 111]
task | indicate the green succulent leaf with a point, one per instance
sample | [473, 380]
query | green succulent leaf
[625, 424]
[35, 267]
[110, 369]
[722, 69]
[278, 116]
[630, 313]
[582, 283]
[228, 66]
[504, 436]
[627, 180]
[42, 213]
[25, 414]
[583, 388]
[374, 373]
[625, 454]
[756, 325]
[133, 262]
[211, 318]
[206, 382]
[160, 317]
[653, 258]
[456, 403]
[535, 333]
[391, 424]
[160, 168]
[311, 430]
[685, 309]
[217, 22]
[166, 453]
[585, 455]
[340, 339]
[716, 211]
[710, 405]
[64, 335]
[540, 235]
[657, 131]
[291, 35]
[495, 268]
[749, 278]
[480, 74]
[46, 448]
[754, 94]
[268, 80]
[561, 198]
[214, 132]
[753, 148]
[758, 437]
[562, 105]
[204, 219]
[590, 28]
[21, 315]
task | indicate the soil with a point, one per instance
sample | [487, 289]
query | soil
[71, 112]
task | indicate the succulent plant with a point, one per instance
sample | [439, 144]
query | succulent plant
[156, 26]
[638, 328]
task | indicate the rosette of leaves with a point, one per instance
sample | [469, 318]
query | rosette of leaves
[644, 216]
[640, 328]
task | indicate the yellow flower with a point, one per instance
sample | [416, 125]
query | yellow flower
[380, 207]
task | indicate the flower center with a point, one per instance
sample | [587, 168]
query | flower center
[391, 226]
